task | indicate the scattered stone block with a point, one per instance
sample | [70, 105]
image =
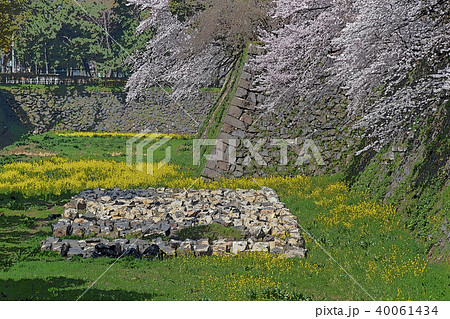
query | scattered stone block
[221, 247]
[202, 250]
[277, 250]
[46, 245]
[88, 252]
[70, 213]
[238, 246]
[94, 229]
[89, 216]
[77, 230]
[260, 246]
[185, 248]
[61, 230]
[167, 249]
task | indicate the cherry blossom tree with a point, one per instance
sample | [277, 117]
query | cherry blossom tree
[387, 40]
[297, 60]
[401, 49]
[192, 51]
[391, 58]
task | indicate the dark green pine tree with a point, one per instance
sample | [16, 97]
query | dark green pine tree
[97, 36]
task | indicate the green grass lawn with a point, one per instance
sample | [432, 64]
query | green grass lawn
[32, 147]
[378, 252]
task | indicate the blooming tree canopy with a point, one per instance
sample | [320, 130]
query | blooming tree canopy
[296, 60]
[397, 47]
[389, 57]
[193, 50]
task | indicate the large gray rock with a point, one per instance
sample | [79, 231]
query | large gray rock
[61, 230]
[202, 250]
[277, 251]
[46, 245]
[57, 247]
[260, 246]
[185, 248]
[167, 249]
[221, 247]
[70, 213]
[238, 246]
[77, 230]
[75, 252]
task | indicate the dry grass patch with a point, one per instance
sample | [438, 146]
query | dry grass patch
[31, 150]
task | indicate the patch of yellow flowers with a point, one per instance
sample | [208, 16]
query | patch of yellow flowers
[252, 271]
[336, 199]
[234, 287]
[58, 176]
[348, 214]
[393, 264]
[284, 185]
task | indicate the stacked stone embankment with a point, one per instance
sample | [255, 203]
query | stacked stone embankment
[293, 124]
[155, 111]
[147, 223]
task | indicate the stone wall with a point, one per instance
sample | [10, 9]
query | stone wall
[261, 220]
[318, 136]
[12, 125]
[108, 111]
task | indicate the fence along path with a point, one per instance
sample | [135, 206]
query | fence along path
[56, 79]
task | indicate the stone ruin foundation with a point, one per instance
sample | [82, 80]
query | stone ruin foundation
[144, 223]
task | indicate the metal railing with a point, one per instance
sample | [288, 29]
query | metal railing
[56, 79]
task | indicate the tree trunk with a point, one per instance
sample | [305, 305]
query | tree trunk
[108, 43]
[86, 67]
[13, 52]
[46, 59]
[3, 61]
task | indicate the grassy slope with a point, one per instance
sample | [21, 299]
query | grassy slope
[382, 262]
[417, 183]
[256, 277]
[386, 264]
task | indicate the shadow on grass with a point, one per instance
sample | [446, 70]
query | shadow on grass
[13, 221]
[19, 236]
[19, 202]
[61, 288]
[18, 228]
